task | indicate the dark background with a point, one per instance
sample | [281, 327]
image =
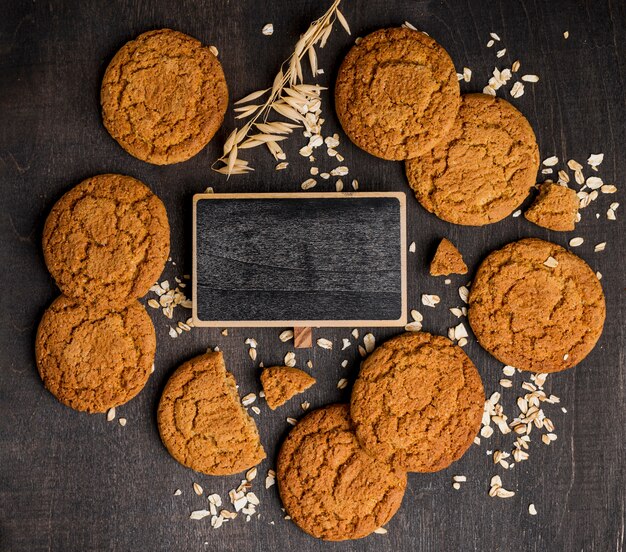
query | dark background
[72, 481]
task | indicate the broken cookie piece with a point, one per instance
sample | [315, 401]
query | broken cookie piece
[554, 208]
[281, 383]
[447, 260]
[202, 422]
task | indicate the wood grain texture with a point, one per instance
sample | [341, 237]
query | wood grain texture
[279, 259]
[73, 482]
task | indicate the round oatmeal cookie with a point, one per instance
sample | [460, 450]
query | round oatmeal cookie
[163, 97]
[485, 167]
[202, 422]
[331, 488]
[93, 359]
[536, 306]
[397, 93]
[107, 240]
[418, 402]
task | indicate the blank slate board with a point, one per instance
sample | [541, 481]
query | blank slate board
[299, 259]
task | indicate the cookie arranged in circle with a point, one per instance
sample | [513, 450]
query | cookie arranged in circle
[202, 422]
[163, 96]
[397, 93]
[92, 359]
[331, 488]
[107, 240]
[536, 306]
[485, 167]
[418, 402]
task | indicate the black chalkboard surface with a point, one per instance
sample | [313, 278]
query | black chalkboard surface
[299, 259]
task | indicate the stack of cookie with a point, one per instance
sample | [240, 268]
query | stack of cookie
[470, 159]
[416, 407]
[105, 243]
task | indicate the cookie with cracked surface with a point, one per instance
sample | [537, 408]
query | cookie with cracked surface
[536, 314]
[554, 208]
[397, 93]
[418, 402]
[485, 167]
[92, 359]
[281, 383]
[202, 422]
[163, 97]
[107, 240]
[331, 488]
[447, 260]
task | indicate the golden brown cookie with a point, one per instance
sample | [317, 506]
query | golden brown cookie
[485, 167]
[447, 260]
[92, 359]
[107, 240]
[331, 488]
[417, 402]
[554, 208]
[281, 383]
[536, 306]
[163, 97]
[397, 93]
[202, 422]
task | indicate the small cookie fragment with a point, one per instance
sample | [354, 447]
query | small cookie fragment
[447, 260]
[107, 240]
[331, 488]
[397, 93]
[484, 168]
[163, 96]
[554, 208]
[281, 383]
[94, 359]
[417, 403]
[202, 422]
[536, 306]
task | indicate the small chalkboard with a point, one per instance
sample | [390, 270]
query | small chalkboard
[299, 259]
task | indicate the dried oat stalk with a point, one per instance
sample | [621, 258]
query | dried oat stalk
[289, 97]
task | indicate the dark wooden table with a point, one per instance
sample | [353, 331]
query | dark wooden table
[71, 481]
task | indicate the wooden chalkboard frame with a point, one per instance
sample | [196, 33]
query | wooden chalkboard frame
[401, 321]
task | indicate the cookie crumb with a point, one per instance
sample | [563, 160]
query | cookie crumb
[447, 260]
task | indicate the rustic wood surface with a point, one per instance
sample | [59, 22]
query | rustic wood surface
[71, 481]
[325, 261]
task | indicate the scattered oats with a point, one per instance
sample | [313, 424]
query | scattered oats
[456, 486]
[503, 493]
[369, 341]
[579, 177]
[339, 185]
[154, 303]
[324, 343]
[286, 336]
[199, 514]
[173, 333]
[574, 165]
[430, 300]
[282, 166]
[178, 492]
[563, 177]
[489, 90]
[515, 67]
[550, 161]
[494, 36]
[610, 214]
[362, 351]
[547, 171]
[594, 183]
[477, 441]
[342, 383]
[467, 74]
[408, 25]
[412, 247]
[566, 35]
[256, 410]
[464, 293]
[608, 189]
[530, 78]
[462, 342]
[595, 159]
[506, 383]
[459, 478]
[309, 364]
[345, 344]
[490, 43]
[486, 432]
[197, 489]
[508, 370]
[325, 175]
[599, 247]
[270, 479]
[268, 30]
[111, 414]
[355, 185]
[545, 439]
[575, 242]
[214, 51]
[532, 510]
[122, 421]
[380, 531]
[551, 262]
[248, 399]
[292, 421]
[290, 359]
[305, 405]
[456, 311]
[344, 363]
[517, 90]
[460, 331]
[339, 171]
[413, 327]
[308, 184]
[252, 353]
[500, 53]
[355, 333]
